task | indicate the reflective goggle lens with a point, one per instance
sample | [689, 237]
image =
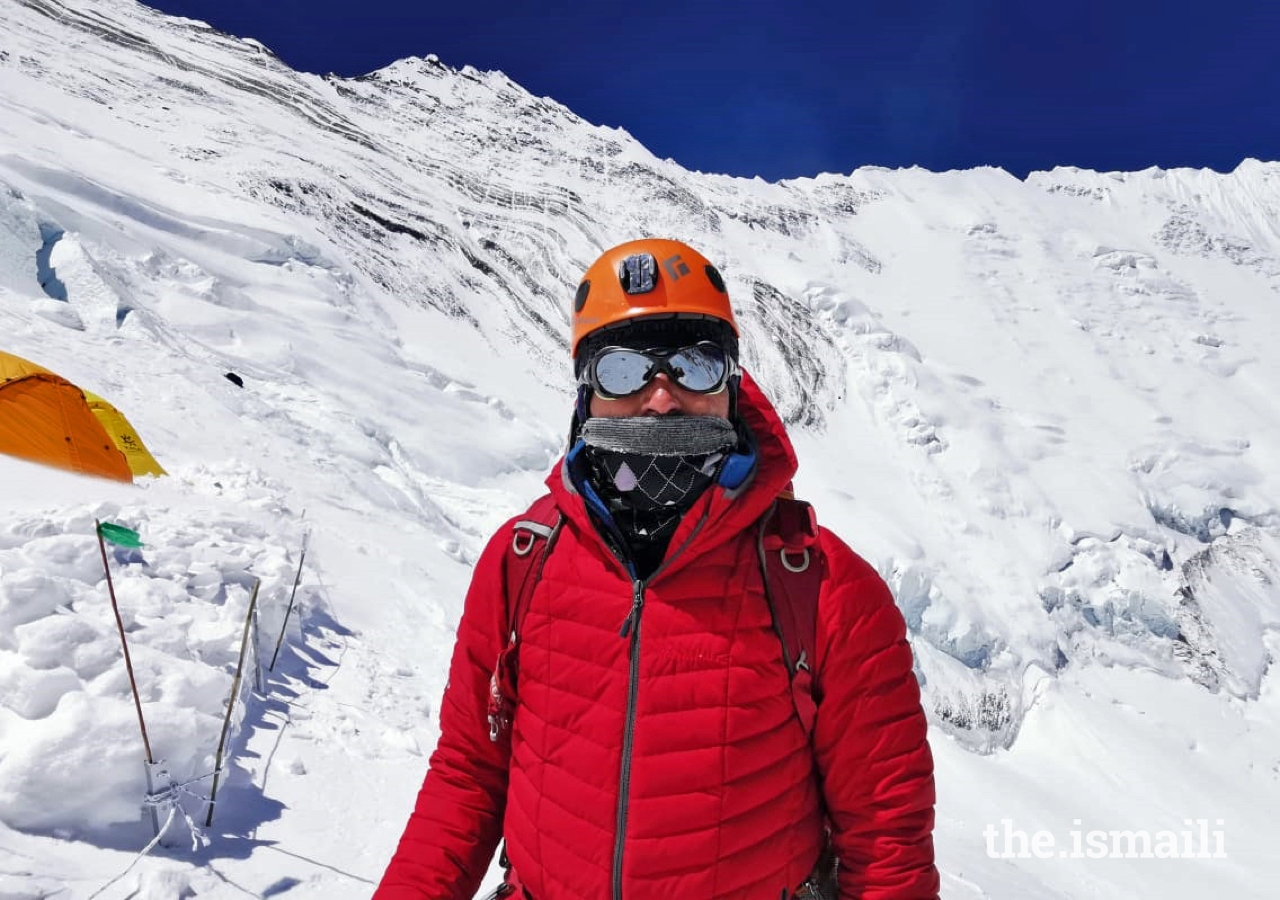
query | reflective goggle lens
[701, 369]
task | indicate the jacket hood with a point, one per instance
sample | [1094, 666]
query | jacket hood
[748, 484]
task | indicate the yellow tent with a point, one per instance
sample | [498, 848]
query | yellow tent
[136, 454]
[47, 419]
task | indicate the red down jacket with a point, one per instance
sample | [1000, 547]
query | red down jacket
[670, 763]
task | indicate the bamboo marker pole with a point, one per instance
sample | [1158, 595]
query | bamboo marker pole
[231, 703]
[128, 664]
[257, 654]
[297, 578]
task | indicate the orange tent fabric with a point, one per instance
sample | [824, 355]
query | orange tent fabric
[46, 419]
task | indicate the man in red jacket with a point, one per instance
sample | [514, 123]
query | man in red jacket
[655, 751]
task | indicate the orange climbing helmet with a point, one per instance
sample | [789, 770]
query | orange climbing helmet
[649, 277]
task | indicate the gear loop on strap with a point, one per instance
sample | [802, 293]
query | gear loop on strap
[786, 563]
[530, 531]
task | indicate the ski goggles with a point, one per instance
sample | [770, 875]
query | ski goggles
[615, 372]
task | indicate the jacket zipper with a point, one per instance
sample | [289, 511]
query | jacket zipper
[631, 629]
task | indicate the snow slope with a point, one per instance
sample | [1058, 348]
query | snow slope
[1044, 410]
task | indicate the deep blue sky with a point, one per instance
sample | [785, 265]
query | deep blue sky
[778, 89]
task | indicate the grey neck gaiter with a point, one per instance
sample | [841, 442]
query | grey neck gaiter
[653, 464]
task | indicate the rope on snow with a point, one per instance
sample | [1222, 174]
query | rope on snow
[166, 797]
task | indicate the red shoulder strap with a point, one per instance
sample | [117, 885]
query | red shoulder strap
[521, 568]
[793, 567]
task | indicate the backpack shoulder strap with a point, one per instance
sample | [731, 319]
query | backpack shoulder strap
[539, 527]
[532, 538]
[793, 567]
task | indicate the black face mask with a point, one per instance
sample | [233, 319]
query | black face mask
[656, 464]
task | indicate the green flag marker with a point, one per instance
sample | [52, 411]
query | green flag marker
[118, 534]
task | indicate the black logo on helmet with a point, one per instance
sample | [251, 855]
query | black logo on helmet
[580, 298]
[675, 267]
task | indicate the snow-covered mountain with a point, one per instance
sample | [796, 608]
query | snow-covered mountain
[1044, 410]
